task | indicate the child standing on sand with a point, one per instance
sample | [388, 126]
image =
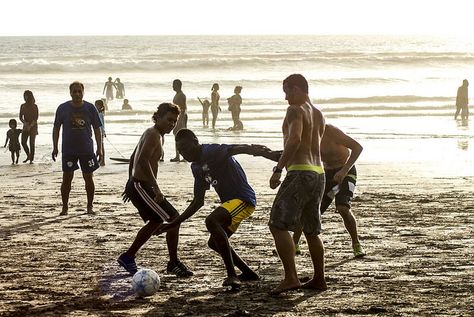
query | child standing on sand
[13, 135]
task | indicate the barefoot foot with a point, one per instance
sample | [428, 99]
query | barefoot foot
[285, 287]
[315, 285]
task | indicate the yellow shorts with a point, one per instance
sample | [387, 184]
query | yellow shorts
[238, 210]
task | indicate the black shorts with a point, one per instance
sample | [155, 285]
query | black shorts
[88, 163]
[343, 193]
[142, 196]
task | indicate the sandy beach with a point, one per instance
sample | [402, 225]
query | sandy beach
[416, 226]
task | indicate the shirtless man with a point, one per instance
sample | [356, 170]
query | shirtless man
[339, 153]
[143, 191]
[303, 128]
[179, 100]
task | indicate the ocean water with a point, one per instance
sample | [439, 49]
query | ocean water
[374, 87]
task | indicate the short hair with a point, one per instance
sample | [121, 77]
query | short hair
[215, 85]
[12, 122]
[100, 103]
[465, 82]
[163, 109]
[74, 83]
[178, 83]
[185, 134]
[238, 89]
[297, 80]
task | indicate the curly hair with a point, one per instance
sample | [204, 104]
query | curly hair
[163, 109]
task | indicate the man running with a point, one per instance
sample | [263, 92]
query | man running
[145, 194]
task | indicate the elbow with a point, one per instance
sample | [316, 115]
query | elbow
[198, 203]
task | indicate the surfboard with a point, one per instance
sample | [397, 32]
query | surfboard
[120, 159]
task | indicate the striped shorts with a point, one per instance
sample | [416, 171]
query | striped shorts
[238, 210]
[142, 197]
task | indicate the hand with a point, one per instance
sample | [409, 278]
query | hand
[167, 227]
[99, 155]
[54, 154]
[275, 180]
[125, 197]
[159, 197]
[339, 176]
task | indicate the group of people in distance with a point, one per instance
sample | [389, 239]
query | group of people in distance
[308, 144]
[29, 117]
[109, 87]
[234, 103]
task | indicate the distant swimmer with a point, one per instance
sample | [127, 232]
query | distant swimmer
[29, 117]
[120, 89]
[126, 105]
[109, 89]
[462, 101]
[215, 104]
[14, 145]
[205, 111]
[234, 107]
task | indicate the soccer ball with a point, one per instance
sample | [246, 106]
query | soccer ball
[145, 282]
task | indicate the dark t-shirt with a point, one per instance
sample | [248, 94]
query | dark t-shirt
[219, 169]
[77, 125]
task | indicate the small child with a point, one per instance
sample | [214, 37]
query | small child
[13, 135]
[126, 105]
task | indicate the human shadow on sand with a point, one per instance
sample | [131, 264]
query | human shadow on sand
[252, 300]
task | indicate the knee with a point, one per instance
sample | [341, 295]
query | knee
[344, 211]
[211, 244]
[210, 224]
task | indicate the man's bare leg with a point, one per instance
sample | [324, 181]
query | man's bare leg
[349, 222]
[286, 250]
[65, 190]
[90, 189]
[142, 237]
[316, 249]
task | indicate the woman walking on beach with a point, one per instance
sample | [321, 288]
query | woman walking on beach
[29, 117]
[215, 104]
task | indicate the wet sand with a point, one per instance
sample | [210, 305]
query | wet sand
[418, 233]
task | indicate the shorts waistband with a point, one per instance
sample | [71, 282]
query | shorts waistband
[306, 167]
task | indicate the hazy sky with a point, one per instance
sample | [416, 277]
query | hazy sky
[149, 17]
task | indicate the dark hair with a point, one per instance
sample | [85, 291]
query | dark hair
[74, 83]
[238, 89]
[297, 80]
[163, 109]
[185, 134]
[28, 93]
[12, 122]
[177, 83]
[215, 85]
[100, 103]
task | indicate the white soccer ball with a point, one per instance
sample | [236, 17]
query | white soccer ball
[145, 282]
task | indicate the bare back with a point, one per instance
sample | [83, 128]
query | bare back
[334, 151]
[147, 156]
[303, 129]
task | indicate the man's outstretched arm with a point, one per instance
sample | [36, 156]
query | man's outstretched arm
[255, 150]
